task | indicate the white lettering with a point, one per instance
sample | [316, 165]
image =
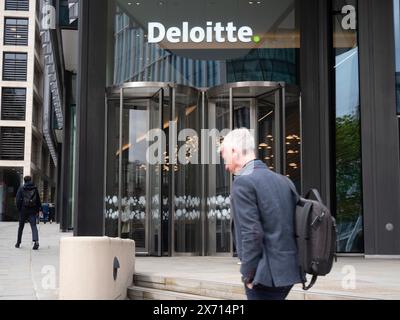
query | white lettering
[161, 32]
[197, 34]
[213, 32]
[245, 34]
[209, 32]
[231, 29]
[173, 35]
[218, 32]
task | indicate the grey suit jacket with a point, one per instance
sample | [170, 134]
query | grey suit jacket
[263, 211]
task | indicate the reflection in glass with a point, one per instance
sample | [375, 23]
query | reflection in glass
[187, 171]
[112, 170]
[348, 138]
[218, 212]
[292, 142]
[267, 130]
[134, 202]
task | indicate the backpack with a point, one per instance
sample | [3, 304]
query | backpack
[29, 198]
[315, 230]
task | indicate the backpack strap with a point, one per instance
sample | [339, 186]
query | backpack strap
[316, 195]
[312, 283]
[294, 191]
[302, 229]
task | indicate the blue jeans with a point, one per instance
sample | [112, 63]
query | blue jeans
[260, 292]
[32, 221]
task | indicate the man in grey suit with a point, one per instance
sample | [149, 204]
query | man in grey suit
[263, 208]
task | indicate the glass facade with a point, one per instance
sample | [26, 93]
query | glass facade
[273, 56]
[223, 82]
[349, 209]
[396, 7]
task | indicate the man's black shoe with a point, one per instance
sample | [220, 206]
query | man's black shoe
[18, 245]
[36, 246]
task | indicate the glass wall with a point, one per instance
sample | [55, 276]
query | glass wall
[349, 208]
[396, 6]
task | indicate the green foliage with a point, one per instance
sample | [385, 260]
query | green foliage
[348, 168]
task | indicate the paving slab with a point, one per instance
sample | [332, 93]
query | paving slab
[26, 274]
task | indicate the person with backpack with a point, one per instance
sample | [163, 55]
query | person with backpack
[29, 206]
[263, 207]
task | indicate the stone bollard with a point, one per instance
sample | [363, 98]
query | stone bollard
[96, 268]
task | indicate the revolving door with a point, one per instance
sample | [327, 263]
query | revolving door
[165, 183]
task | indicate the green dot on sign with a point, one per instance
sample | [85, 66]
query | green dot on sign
[256, 39]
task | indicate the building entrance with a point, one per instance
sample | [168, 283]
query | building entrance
[166, 186]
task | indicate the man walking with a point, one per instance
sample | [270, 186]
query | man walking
[263, 208]
[29, 206]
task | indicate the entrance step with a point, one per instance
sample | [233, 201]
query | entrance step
[155, 287]
[199, 288]
[142, 293]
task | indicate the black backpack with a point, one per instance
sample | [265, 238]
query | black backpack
[315, 230]
[29, 198]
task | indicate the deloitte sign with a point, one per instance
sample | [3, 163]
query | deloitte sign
[211, 33]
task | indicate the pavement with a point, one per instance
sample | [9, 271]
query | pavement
[353, 278]
[33, 275]
[26, 274]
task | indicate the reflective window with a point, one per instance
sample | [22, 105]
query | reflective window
[10, 181]
[16, 32]
[348, 138]
[396, 6]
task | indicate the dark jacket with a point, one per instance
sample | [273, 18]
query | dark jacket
[20, 198]
[263, 211]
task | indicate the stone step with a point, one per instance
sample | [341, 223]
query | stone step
[142, 293]
[202, 288]
[225, 291]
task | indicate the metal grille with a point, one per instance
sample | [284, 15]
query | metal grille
[14, 66]
[18, 5]
[16, 32]
[12, 143]
[13, 104]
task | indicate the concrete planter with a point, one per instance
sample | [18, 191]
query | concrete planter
[94, 268]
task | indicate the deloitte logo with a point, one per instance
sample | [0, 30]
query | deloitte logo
[212, 33]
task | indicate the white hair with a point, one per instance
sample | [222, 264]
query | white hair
[242, 140]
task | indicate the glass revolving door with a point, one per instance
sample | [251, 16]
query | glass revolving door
[166, 186]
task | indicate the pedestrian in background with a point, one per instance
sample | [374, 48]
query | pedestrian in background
[29, 207]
